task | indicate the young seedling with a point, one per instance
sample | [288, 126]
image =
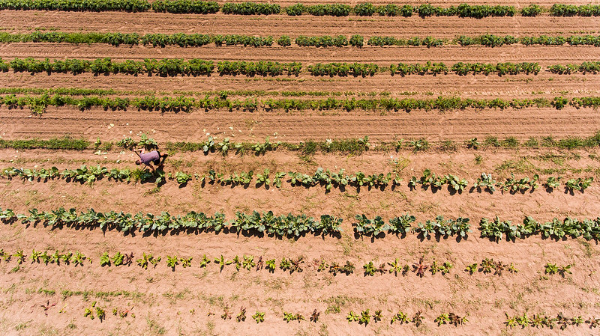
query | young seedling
[118, 258]
[237, 262]
[550, 269]
[285, 264]
[66, 258]
[259, 317]
[321, 265]
[352, 317]
[242, 315]
[186, 262]
[471, 268]
[144, 260]
[487, 265]
[562, 321]
[442, 319]
[400, 317]
[365, 317]
[128, 259]
[369, 269]
[377, 316]
[204, 262]
[271, 265]
[420, 268]
[226, 313]
[314, 317]
[593, 322]
[222, 262]
[295, 265]
[47, 306]
[172, 262]
[418, 318]
[46, 258]
[100, 313]
[35, 256]
[348, 268]
[260, 264]
[564, 270]
[20, 257]
[457, 320]
[104, 259]
[78, 259]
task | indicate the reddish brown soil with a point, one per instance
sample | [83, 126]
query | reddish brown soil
[191, 301]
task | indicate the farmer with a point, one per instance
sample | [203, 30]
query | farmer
[152, 157]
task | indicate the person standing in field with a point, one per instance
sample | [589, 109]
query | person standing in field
[153, 157]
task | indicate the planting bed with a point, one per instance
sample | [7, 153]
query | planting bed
[516, 252]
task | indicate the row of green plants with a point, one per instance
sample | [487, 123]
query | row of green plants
[322, 177]
[198, 40]
[75, 258]
[197, 67]
[155, 40]
[252, 8]
[309, 147]
[39, 104]
[545, 321]
[300, 225]
[254, 223]
[286, 264]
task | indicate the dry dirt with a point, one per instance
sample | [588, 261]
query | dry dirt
[191, 301]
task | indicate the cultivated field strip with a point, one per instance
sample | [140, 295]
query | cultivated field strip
[297, 127]
[144, 23]
[446, 54]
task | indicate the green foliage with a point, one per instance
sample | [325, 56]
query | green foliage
[259, 317]
[77, 6]
[250, 8]
[531, 10]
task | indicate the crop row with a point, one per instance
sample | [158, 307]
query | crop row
[252, 8]
[301, 225]
[38, 104]
[287, 264]
[321, 177]
[198, 40]
[544, 321]
[309, 147]
[197, 67]
[162, 67]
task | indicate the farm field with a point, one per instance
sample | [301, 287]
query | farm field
[408, 181]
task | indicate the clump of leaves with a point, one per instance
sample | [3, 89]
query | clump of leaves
[444, 268]
[172, 262]
[419, 267]
[377, 316]
[270, 265]
[104, 259]
[242, 315]
[226, 313]
[221, 261]
[365, 317]
[186, 262]
[400, 317]
[288, 317]
[352, 317]
[314, 317]
[204, 261]
[396, 268]
[457, 320]
[259, 317]
[442, 319]
[418, 318]
[118, 258]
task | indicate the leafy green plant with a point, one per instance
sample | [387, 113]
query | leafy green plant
[222, 262]
[400, 317]
[104, 259]
[172, 261]
[259, 317]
